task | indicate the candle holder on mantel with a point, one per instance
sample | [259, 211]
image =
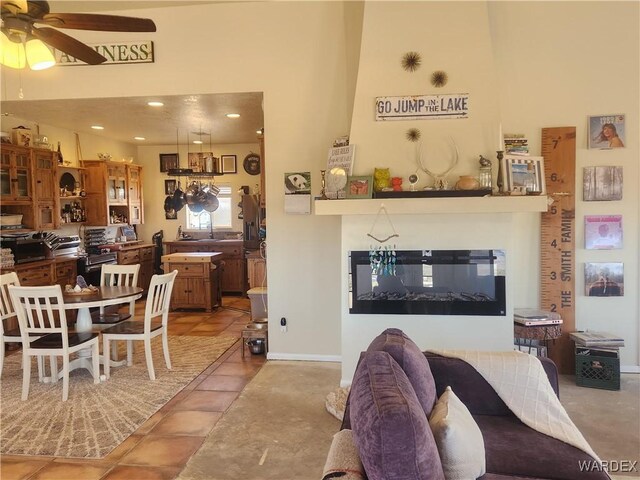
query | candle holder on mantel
[500, 179]
[323, 195]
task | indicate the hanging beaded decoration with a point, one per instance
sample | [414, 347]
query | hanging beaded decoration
[382, 258]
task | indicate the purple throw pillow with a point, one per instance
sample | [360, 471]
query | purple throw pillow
[390, 429]
[416, 366]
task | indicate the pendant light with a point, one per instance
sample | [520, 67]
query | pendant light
[12, 52]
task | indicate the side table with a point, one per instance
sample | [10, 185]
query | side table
[540, 333]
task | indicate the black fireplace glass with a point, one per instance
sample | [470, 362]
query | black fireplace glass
[429, 282]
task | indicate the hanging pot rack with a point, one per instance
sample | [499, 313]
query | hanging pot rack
[189, 173]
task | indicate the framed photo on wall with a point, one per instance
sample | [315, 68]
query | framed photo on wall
[524, 174]
[229, 164]
[169, 187]
[606, 131]
[168, 161]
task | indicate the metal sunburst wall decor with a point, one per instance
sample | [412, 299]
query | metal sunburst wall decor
[413, 134]
[411, 61]
[439, 78]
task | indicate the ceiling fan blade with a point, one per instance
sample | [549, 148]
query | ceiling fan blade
[65, 43]
[102, 23]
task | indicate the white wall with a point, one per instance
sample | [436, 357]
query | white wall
[555, 69]
[527, 64]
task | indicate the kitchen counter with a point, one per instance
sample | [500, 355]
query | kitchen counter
[198, 282]
[204, 242]
[133, 245]
[234, 278]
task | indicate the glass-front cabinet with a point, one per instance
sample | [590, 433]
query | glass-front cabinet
[117, 184]
[15, 175]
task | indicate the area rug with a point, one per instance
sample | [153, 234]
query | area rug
[336, 402]
[97, 418]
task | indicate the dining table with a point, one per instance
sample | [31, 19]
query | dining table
[101, 297]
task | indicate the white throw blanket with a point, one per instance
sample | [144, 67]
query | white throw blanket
[522, 384]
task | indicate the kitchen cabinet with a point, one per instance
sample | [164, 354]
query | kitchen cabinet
[36, 273]
[256, 272]
[66, 271]
[16, 175]
[134, 181]
[114, 193]
[139, 254]
[44, 170]
[233, 271]
[198, 282]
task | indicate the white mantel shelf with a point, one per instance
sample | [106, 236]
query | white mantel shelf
[417, 206]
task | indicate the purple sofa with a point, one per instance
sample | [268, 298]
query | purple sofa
[512, 449]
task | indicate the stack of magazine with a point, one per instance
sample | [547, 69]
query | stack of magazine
[597, 339]
[531, 317]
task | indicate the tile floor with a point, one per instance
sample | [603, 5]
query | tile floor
[161, 447]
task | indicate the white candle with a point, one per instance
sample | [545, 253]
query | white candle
[500, 139]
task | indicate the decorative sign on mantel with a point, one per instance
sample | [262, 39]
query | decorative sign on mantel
[422, 107]
[122, 52]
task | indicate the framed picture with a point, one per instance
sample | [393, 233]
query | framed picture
[168, 161]
[604, 279]
[523, 174]
[606, 131]
[169, 187]
[229, 164]
[297, 182]
[360, 187]
[602, 183]
[602, 232]
[196, 161]
[171, 215]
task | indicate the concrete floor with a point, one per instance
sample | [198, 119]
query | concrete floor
[278, 428]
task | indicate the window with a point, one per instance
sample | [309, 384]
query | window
[221, 217]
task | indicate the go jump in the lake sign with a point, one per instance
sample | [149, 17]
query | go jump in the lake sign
[422, 107]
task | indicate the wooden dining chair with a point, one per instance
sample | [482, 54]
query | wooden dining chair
[156, 316]
[41, 311]
[116, 275]
[7, 312]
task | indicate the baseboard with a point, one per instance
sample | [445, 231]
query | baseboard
[629, 368]
[303, 357]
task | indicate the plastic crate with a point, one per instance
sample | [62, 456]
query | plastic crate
[597, 368]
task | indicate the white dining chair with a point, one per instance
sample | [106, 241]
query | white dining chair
[117, 275]
[41, 311]
[7, 312]
[156, 316]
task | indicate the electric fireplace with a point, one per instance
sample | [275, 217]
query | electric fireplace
[427, 282]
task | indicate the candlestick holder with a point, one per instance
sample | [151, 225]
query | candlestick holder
[500, 179]
[323, 195]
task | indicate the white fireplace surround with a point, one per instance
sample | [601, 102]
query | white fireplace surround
[511, 224]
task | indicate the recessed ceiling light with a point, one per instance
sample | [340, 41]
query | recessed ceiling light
[97, 127]
[155, 104]
[233, 115]
[198, 142]
[139, 138]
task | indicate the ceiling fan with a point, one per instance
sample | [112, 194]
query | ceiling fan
[20, 16]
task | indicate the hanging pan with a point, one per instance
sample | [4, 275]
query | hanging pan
[168, 204]
[178, 199]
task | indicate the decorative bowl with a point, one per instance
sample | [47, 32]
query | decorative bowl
[104, 156]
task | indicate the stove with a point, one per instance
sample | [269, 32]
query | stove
[90, 265]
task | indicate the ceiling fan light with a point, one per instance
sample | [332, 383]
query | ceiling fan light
[38, 54]
[11, 53]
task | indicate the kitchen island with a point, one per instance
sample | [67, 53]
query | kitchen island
[234, 271]
[198, 282]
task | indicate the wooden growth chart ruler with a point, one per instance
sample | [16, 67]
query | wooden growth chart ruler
[557, 245]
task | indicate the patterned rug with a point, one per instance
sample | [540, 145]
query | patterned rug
[97, 418]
